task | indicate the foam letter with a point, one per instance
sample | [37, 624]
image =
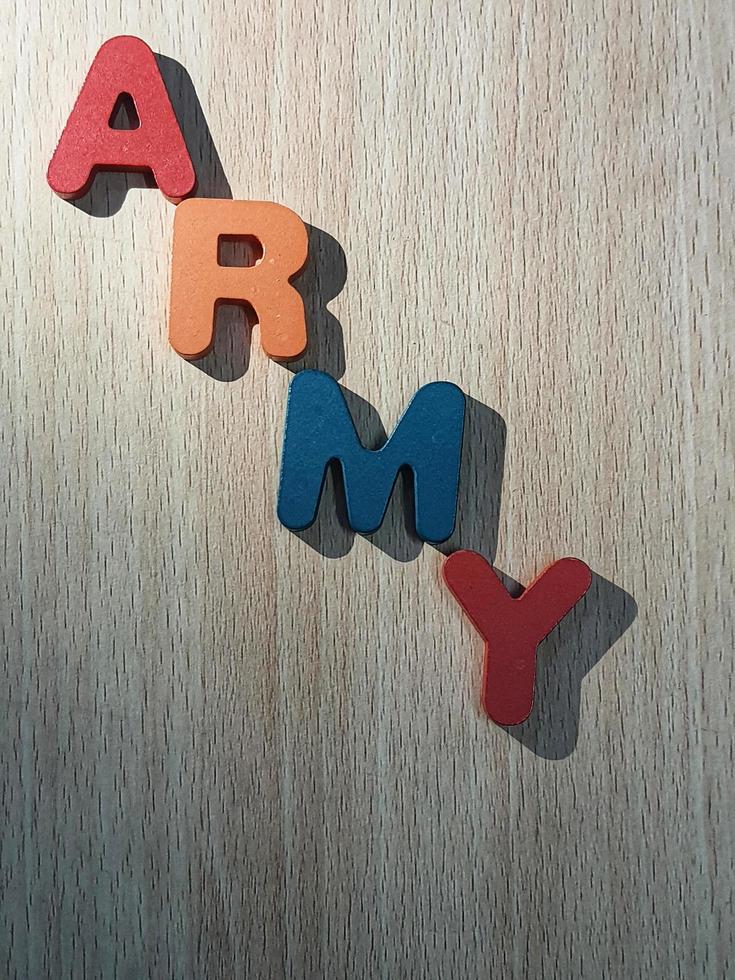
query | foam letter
[199, 283]
[513, 628]
[319, 429]
[123, 65]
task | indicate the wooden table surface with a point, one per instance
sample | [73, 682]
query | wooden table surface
[231, 751]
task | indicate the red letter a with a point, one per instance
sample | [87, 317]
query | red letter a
[123, 65]
[513, 628]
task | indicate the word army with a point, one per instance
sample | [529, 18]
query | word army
[318, 427]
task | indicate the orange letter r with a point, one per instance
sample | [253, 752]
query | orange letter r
[199, 283]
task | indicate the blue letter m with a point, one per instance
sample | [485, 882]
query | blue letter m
[319, 429]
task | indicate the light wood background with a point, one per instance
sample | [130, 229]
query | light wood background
[231, 751]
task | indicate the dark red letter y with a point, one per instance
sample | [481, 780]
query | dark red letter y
[513, 628]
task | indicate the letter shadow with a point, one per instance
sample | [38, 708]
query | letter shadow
[323, 278]
[564, 659]
[109, 188]
[480, 482]
[478, 502]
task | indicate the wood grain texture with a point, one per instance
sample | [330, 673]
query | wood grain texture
[231, 751]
